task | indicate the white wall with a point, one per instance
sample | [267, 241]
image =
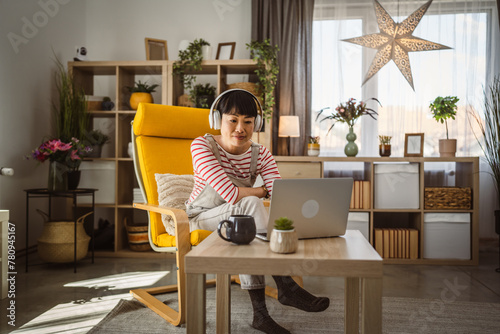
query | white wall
[111, 30]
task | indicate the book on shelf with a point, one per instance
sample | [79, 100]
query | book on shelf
[397, 243]
[361, 195]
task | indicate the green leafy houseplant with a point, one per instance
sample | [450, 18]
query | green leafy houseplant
[189, 60]
[313, 140]
[203, 95]
[444, 108]
[283, 223]
[140, 87]
[141, 92]
[266, 56]
[70, 111]
[97, 137]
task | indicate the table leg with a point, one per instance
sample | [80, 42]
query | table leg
[351, 305]
[223, 302]
[371, 306]
[195, 304]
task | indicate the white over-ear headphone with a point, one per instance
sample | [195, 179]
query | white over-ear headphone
[215, 116]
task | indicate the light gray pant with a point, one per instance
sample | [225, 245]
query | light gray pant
[252, 206]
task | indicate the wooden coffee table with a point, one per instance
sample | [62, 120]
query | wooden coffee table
[350, 256]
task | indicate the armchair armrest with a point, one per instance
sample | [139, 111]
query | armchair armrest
[181, 222]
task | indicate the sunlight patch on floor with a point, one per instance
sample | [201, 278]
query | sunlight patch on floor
[122, 281]
[73, 317]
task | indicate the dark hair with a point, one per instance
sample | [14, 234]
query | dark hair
[239, 102]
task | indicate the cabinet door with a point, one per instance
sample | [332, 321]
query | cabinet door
[300, 170]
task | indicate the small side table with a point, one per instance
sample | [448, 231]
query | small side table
[74, 194]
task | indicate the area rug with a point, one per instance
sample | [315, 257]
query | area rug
[400, 315]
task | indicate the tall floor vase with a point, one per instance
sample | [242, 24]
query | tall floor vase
[58, 178]
[351, 149]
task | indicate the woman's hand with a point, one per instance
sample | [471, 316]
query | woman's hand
[249, 191]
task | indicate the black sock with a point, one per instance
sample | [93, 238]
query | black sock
[291, 294]
[261, 318]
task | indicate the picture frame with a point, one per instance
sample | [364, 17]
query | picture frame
[225, 50]
[414, 145]
[156, 49]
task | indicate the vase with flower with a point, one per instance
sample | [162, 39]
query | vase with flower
[65, 159]
[384, 147]
[349, 112]
[313, 146]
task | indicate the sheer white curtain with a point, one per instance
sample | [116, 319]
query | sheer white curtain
[470, 28]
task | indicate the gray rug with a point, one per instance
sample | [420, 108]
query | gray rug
[400, 315]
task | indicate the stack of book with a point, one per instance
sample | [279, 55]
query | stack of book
[400, 243]
[138, 198]
[361, 198]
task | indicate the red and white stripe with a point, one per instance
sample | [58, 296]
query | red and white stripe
[207, 169]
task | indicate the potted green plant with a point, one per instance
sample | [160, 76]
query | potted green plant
[96, 139]
[70, 111]
[442, 109]
[266, 56]
[283, 237]
[313, 146]
[384, 147]
[203, 95]
[141, 92]
[189, 61]
[489, 137]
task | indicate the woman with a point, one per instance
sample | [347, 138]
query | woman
[225, 169]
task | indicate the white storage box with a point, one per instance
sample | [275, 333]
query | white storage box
[447, 236]
[396, 186]
[98, 175]
[359, 221]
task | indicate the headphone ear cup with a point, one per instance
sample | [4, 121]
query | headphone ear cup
[258, 123]
[216, 119]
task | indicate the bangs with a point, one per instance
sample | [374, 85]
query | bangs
[238, 103]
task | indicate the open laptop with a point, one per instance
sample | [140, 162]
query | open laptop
[318, 207]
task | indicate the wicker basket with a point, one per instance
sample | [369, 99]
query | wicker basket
[184, 101]
[138, 240]
[57, 241]
[444, 198]
[249, 86]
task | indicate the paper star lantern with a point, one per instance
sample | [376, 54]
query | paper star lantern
[394, 41]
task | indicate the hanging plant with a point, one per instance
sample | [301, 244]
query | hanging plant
[189, 60]
[266, 56]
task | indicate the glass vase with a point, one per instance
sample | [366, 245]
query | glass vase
[351, 149]
[58, 178]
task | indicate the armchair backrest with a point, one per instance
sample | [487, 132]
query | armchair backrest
[162, 137]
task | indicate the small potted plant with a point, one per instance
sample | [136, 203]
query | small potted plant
[96, 139]
[283, 237]
[443, 108]
[189, 61]
[313, 146]
[141, 92]
[384, 147]
[203, 95]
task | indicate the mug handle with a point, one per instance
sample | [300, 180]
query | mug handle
[220, 226]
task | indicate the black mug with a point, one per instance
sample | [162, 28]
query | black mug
[240, 229]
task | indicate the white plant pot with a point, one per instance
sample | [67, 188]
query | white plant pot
[284, 241]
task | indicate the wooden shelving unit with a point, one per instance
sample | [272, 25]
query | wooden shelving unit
[465, 172]
[120, 75]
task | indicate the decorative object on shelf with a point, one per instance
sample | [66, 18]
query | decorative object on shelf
[289, 127]
[349, 113]
[414, 145]
[81, 54]
[70, 111]
[384, 147]
[394, 41]
[266, 57]
[63, 157]
[443, 108]
[57, 241]
[156, 49]
[225, 50]
[313, 146]
[189, 60]
[96, 139]
[284, 238]
[137, 233]
[141, 92]
[489, 137]
[107, 104]
[203, 95]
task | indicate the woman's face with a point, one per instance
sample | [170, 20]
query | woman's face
[236, 131]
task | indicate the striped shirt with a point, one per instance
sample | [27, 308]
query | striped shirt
[207, 169]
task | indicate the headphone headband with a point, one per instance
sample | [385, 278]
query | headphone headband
[215, 116]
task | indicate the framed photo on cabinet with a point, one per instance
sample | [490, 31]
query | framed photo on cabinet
[156, 49]
[414, 145]
[225, 50]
